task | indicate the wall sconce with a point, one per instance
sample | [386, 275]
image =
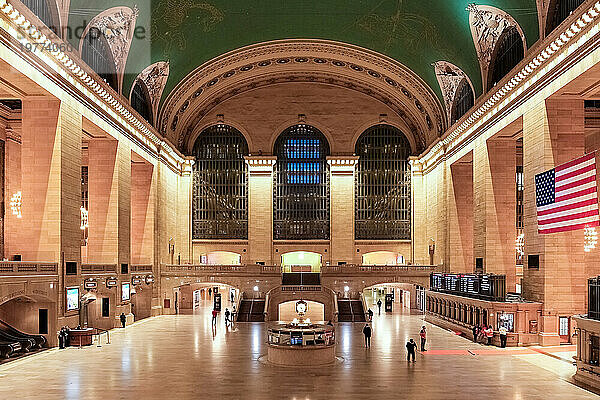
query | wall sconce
[15, 204]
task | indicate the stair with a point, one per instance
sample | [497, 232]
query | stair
[358, 311]
[251, 310]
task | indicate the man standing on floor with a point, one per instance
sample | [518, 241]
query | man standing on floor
[123, 319]
[475, 333]
[367, 333]
[503, 333]
[379, 305]
[489, 334]
[423, 335]
[410, 348]
[226, 316]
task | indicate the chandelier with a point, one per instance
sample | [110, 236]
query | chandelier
[15, 204]
[84, 218]
[520, 245]
[590, 239]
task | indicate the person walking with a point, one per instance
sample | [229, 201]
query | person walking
[370, 312]
[423, 335]
[503, 334]
[489, 334]
[214, 316]
[367, 332]
[61, 338]
[475, 332]
[410, 348]
[123, 320]
[379, 305]
[209, 292]
[226, 316]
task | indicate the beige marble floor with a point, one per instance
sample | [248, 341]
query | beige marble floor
[179, 357]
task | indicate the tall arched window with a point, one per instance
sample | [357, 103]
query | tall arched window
[509, 52]
[383, 196]
[301, 186]
[220, 194]
[140, 101]
[96, 53]
[558, 11]
[41, 9]
[463, 100]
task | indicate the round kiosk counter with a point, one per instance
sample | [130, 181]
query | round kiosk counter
[301, 345]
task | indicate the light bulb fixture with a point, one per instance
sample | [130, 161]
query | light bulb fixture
[590, 239]
[84, 218]
[15, 204]
[520, 245]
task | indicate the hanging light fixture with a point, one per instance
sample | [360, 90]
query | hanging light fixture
[590, 239]
[15, 204]
[520, 245]
[84, 218]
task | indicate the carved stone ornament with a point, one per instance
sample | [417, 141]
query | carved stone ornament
[155, 78]
[487, 25]
[449, 76]
[117, 24]
[318, 61]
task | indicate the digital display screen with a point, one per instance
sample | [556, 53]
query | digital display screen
[296, 338]
[72, 298]
[125, 291]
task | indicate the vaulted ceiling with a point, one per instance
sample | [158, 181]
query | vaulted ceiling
[416, 33]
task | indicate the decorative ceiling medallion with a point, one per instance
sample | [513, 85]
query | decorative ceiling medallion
[303, 61]
[487, 25]
[449, 76]
[155, 78]
[117, 24]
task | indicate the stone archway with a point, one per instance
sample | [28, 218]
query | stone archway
[308, 61]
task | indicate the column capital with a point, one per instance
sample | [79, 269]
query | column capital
[342, 165]
[187, 166]
[261, 165]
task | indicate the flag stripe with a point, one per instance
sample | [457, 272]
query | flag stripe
[576, 161]
[561, 172]
[568, 217]
[578, 221]
[575, 183]
[573, 195]
[571, 206]
[578, 173]
[559, 204]
[570, 227]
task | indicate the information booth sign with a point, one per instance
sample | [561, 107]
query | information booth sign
[217, 301]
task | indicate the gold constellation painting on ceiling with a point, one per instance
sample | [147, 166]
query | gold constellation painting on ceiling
[173, 14]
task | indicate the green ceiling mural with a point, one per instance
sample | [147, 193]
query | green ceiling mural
[415, 32]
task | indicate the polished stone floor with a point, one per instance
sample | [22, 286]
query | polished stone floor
[181, 357]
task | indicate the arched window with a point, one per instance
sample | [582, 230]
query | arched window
[301, 187]
[463, 100]
[509, 52]
[140, 101]
[382, 184]
[96, 53]
[220, 195]
[41, 9]
[558, 11]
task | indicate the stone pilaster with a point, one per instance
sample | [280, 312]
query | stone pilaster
[342, 207]
[260, 208]
[419, 213]
[460, 217]
[494, 207]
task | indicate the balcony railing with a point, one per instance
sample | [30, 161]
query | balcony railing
[98, 268]
[28, 268]
[361, 269]
[141, 268]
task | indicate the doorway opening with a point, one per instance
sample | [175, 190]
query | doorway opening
[301, 261]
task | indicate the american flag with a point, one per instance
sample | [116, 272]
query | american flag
[566, 196]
